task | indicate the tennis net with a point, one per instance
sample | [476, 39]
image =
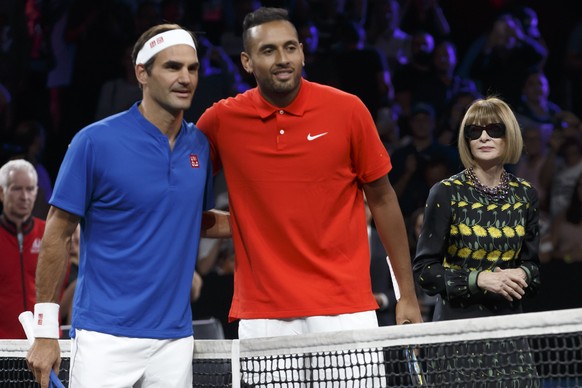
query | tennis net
[542, 349]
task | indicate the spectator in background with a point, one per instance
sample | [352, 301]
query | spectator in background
[386, 36]
[146, 15]
[20, 236]
[5, 111]
[309, 38]
[318, 61]
[30, 92]
[13, 46]
[504, 59]
[443, 83]
[328, 16]
[529, 166]
[120, 93]
[570, 123]
[30, 138]
[534, 106]
[528, 18]
[230, 39]
[61, 71]
[573, 68]
[439, 167]
[411, 161]
[371, 83]
[424, 15]
[93, 27]
[567, 228]
[561, 168]
[172, 11]
[388, 129]
[218, 77]
[411, 78]
[355, 11]
[450, 122]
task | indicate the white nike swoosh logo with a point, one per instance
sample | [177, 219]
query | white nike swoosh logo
[309, 137]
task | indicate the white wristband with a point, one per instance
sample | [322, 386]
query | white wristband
[46, 320]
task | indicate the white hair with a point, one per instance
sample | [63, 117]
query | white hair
[16, 165]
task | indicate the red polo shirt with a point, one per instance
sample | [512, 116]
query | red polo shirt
[294, 177]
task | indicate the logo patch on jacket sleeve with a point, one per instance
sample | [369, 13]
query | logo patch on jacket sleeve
[194, 161]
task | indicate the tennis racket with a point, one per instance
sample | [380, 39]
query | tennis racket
[414, 368]
[26, 320]
[394, 282]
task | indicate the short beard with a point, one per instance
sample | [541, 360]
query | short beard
[284, 87]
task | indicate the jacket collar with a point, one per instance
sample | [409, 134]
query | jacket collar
[10, 226]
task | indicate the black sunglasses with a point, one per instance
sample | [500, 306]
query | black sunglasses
[495, 130]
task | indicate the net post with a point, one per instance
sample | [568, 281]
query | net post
[235, 363]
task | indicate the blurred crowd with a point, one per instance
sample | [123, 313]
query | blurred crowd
[416, 65]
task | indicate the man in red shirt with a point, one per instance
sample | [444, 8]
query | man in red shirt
[298, 157]
[20, 236]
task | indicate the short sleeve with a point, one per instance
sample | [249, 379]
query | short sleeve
[209, 123]
[370, 157]
[74, 184]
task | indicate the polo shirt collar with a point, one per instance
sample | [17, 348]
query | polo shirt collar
[148, 127]
[296, 108]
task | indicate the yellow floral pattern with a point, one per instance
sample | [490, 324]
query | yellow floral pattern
[479, 225]
[467, 231]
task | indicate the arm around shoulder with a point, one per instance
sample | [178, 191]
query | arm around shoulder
[216, 224]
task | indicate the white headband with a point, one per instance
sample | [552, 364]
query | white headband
[161, 42]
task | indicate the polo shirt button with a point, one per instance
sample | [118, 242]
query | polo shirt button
[282, 131]
[281, 112]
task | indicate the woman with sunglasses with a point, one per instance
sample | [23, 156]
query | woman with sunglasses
[478, 248]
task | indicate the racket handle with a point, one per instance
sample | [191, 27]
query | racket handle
[394, 282]
[26, 320]
[54, 381]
